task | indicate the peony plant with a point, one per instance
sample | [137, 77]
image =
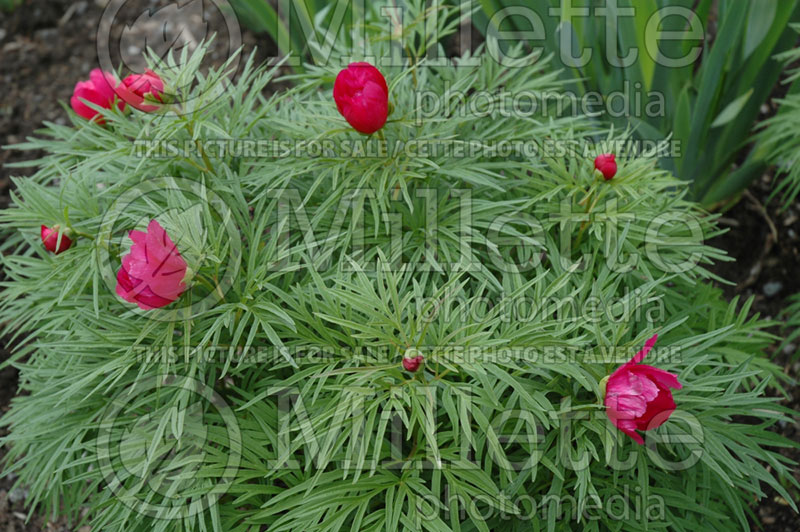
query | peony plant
[297, 310]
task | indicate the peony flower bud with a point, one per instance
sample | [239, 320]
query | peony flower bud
[50, 239]
[413, 364]
[99, 90]
[135, 89]
[362, 97]
[606, 164]
[152, 273]
[638, 396]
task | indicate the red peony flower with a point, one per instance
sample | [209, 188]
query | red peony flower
[99, 90]
[152, 273]
[638, 396]
[362, 97]
[412, 364]
[50, 239]
[607, 165]
[135, 87]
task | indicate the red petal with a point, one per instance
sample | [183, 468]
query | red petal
[663, 378]
[648, 345]
[155, 268]
[662, 404]
[629, 428]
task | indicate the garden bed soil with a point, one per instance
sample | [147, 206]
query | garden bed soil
[46, 45]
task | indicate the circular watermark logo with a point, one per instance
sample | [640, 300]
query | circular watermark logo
[169, 462]
[169, 32]
[200, 226]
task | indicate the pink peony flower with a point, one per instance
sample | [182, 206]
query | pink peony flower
[99, 90]
[152, 273]
[607, 165]
[638, 396]
[362, 97]
[50, 239]
[135, 87]
[412, 364]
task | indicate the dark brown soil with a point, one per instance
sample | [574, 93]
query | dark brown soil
[765, 241]
[46, 45]
[40, 59]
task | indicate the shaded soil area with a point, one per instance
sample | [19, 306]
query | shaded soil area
[47, 45]
[765, 241]
[40, 59]
[764, 238]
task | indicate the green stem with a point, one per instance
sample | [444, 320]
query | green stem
[199, 144]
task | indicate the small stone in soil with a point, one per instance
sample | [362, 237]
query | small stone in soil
[46, 34]
[17, 495]
[772, 288]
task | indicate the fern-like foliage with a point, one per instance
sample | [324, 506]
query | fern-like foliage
[271, 395]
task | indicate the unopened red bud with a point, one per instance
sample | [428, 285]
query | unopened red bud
[606, 164]
[362, 97]
[51, 242]
[413, 364]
